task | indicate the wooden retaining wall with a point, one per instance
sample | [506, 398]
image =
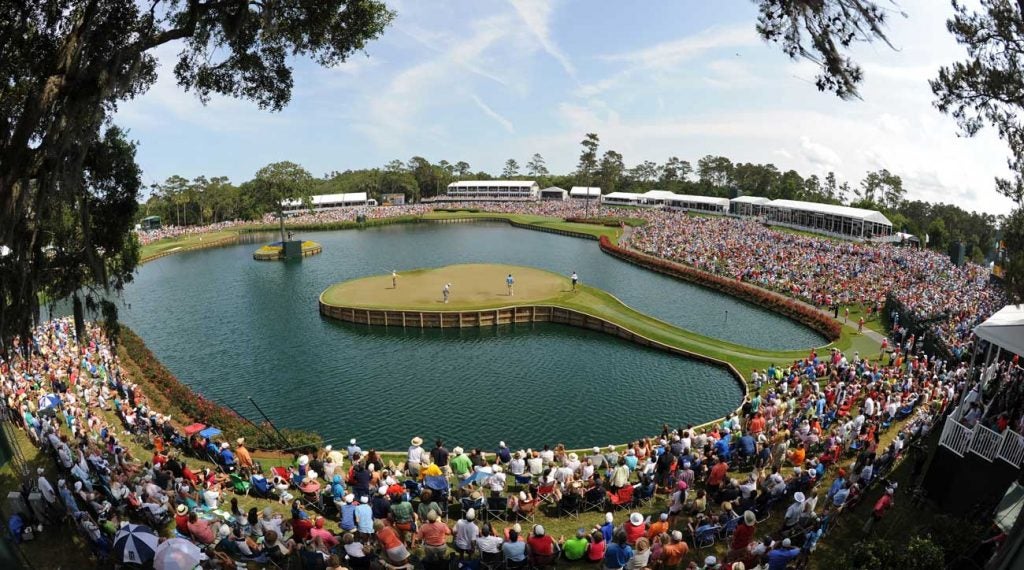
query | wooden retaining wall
[506, 316]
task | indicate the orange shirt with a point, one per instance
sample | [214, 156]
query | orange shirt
[243, 457]
[718, 473]
[656, 529]
[388, 538]
[674, 552]
[433, 534]
[756, 425]
[798, 456]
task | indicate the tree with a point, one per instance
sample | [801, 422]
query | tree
[279, 182]
[823, 31]
[536, 167]
[611, 170]
[645, 172]
[588, 163]
[882, 188]
[715, 171]
[987, 87]
[462, 169]
[67, 64]
[830, 189]
[675, 170]
[511, 169]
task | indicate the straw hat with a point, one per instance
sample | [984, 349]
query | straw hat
[457, 451]
[799, 497]
[574, 457]
[182, 509]
[417, 440]
[749, 518]
[240, 441]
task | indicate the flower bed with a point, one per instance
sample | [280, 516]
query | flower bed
[609, 221]
[787, 306]
[196, 408]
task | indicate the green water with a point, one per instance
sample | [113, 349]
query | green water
[232, 328]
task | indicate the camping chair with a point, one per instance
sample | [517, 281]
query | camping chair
[412, 488]
[645, 496]
[594, 499]
[524, 479]
[623, 498]
[705, 535]
[261, 488]
[730, 527]
[527, 510]
[477, 505]
[241, 487]
[570, 505]
[546, 493]
[538, 562]
[496, 508]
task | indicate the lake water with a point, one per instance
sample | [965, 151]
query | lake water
[232, 328]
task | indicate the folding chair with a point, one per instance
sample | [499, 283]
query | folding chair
[546, 493]
[524, 479]
[623, 498]
[645, 496]
[730, 527]
[705, 535]
[496, 508]
[241, 487]
[594, 499]
[260, 487]
[570, 505]
[413, 488]
[527, 511]
[477, 505]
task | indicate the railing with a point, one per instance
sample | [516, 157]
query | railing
[1012, 449]
[956, 437]
[982, 441]
[985, 442]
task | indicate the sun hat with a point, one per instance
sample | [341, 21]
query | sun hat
[597, 449]
[750, 518]
[457, 451]
[799, 497]
[636, 519]
[182, 509]
[470, 514]
[677, 535]
[417, 440]
[726, 506]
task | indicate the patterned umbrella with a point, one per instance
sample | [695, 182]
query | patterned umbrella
[134, 544]
[176, 554]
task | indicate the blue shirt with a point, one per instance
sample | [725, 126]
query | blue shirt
[616, 556]
[722, 447]
[227, 457]
[514, 551]
[607, 529]
[365, 514]
[748, 445]
[780, 557]
[348, 516]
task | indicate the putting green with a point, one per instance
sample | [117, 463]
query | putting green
[473, 286]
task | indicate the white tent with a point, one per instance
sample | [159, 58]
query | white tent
[1004, 329]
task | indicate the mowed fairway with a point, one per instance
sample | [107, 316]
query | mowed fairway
[472, 286]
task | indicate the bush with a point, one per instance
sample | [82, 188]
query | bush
[919, 553]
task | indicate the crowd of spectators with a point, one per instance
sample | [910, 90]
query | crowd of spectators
[829, 417]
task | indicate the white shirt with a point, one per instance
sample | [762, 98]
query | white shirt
[210, 498]
[415, 454]
[46, 489]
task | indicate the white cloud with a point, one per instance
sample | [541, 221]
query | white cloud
[507, 124]
[819, 155]
[536, 14]
[671, 53]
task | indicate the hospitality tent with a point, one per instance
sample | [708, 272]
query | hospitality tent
[622, 198]
[748, 205]
[554, 193]
[585, 193]
[831, 218]
[1004, 329]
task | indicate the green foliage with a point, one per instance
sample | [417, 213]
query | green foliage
[879, 553]
[823, 32]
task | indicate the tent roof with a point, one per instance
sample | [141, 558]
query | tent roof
[493, 184]
[751, 200]
[844, 211]
[659, 194]
[555, 189]
[585, 190]
[622, 196]
[698, 199]
[1004, 329]
[329, 199]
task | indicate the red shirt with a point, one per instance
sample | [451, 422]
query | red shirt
[181, 523]
[742, 536]
[541, 545]
[300, 529]
[883, 504]
[718, 473]
[388, 538]
[633, 532]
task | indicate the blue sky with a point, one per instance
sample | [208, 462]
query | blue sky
[487, 80]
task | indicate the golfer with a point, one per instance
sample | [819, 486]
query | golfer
[509, 282]
[394, 279]
[446, 290]
[575, 279]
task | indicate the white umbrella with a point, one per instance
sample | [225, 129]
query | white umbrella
[134, 544]
[176, 554]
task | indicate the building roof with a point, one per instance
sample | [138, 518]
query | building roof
[554, 189]
[699, 199]
[585, 191]
[321, 199]
[843, 211]
[622, 196]
[658, 195]
[751, 200]
[493, 184]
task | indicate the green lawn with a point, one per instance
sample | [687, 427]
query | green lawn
[186, 242]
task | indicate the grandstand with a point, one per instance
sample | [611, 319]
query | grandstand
[492, 190]
[329, 202]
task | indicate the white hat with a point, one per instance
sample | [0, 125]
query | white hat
[597, 449]
[382, 490]
[352, 441]
[364, 499]
[501, 444]
[677, 535]
[664, 516]
[470, 514]
[328, 447]
[417, 440]
[349, 498]
[711, 561]
[224, 531]
[799, 497]
[538, 529]
[78, 486]
[303, 460]
[636, 519]
[573, 457]
[224, 445]
[497, 468]
[457, 451]
[240, 441]
[40, 470]
[786, 543]
[608, 517]
[311, 475]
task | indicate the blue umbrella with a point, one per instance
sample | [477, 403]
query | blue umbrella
[49, 401]
[210, 432]
[135, 544]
